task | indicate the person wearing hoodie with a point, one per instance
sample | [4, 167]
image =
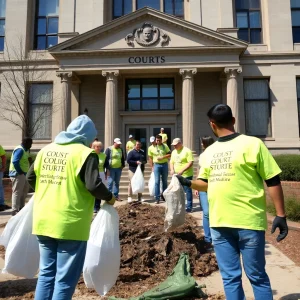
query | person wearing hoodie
[65, 177]
[18, 168]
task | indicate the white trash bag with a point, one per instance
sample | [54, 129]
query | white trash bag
[103, 254]
[138, 181]
[22, 252]
[12, 224]
[151, 185]
[175, 205]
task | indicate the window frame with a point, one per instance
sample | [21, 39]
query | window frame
[248, 20]
[298, 100]
[268, 135]
[3, 36]
[123, 9]
[30, 105]
[141, 98]
[46, 35]
[298, 26]
[174, 8]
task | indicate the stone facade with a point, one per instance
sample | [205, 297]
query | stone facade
[96, 55]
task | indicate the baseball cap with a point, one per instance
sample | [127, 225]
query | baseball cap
[152, 139]
[176, 141]
[118, 141]
[130, 136]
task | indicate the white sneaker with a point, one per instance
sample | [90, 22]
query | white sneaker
[143, 200]
[129, 199]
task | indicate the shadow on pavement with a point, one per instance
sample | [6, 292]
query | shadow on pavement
[291, 297]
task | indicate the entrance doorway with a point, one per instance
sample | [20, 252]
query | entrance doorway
[144, 132]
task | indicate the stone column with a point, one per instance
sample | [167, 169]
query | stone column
[232, 93]
[188, 107]
[65, 102]
[111, 106]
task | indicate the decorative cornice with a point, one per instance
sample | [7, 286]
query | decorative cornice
[232, 72]
[64, 76]
[110, 74]
[188, 73]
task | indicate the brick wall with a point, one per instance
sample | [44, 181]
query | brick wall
[291, 189]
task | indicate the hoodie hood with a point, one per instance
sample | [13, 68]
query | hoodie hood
[81, 130]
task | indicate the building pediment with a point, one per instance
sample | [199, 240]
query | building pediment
[147, 29]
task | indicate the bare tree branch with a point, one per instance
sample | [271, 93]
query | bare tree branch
[21, 70]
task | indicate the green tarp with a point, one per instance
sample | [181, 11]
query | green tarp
[180, 284]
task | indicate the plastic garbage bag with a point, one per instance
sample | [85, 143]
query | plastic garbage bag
[22, 252]
[151, 185]
[175, 205]
[102, 259]
[180, 284]
[12, 224]
[138, 181]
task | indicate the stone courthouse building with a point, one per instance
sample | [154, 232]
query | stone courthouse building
[135, 66]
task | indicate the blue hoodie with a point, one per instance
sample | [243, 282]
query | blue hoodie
[81, 130]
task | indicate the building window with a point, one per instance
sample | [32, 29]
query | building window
[151, 3]
[2, 23]
[174, 7]
[248, 20]
[40, 110]
[121, 8]
[46, 24]
[150, 94]
[257, 107]
[298, 100]
[295, 7]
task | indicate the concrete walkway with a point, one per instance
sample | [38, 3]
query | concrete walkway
[283, 273]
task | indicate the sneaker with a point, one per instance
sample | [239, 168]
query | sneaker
[2, 207]
[162, 197]
[157, 201]
[142, 200]
[118, 199]
[129, 199]
[14, 212]
[209, 247]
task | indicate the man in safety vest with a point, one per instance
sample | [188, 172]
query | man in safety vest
[18, 168]
[163, 135]
[65, 177]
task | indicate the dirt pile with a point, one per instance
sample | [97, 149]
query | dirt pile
[148, 254]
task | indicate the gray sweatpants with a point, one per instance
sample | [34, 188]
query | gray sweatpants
[20, 189]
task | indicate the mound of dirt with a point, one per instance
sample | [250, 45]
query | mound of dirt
[148, 254]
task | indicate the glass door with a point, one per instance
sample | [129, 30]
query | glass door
[140, 133]
[168, 129]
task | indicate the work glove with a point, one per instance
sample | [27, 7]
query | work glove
[184, 181]
[280, 222]
[111, 201]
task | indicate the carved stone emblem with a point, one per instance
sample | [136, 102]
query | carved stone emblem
[147, 35]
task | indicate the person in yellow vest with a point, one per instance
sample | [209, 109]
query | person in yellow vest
[163, 135]
[233, 171]
[158, 159]
[98, 146]
[114, 164]
[65, 177]
[181, 163]
[2, 170]
[18, 168]
[130, 144]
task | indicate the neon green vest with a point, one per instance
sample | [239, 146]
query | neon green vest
[63, 207]
[102, 157]
[24, 163]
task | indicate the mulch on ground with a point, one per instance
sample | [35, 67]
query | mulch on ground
[290, 246]
[148, 254]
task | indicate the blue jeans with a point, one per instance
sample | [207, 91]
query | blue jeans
[1, 189]
[61, 263]
[229, 243]
[114, 177]
[205, 208]
[189, 196]
[160, 170]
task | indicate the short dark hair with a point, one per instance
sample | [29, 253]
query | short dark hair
[207, 141]
[159, 137]
[26, 140]
[220, 114]
[138, 141]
